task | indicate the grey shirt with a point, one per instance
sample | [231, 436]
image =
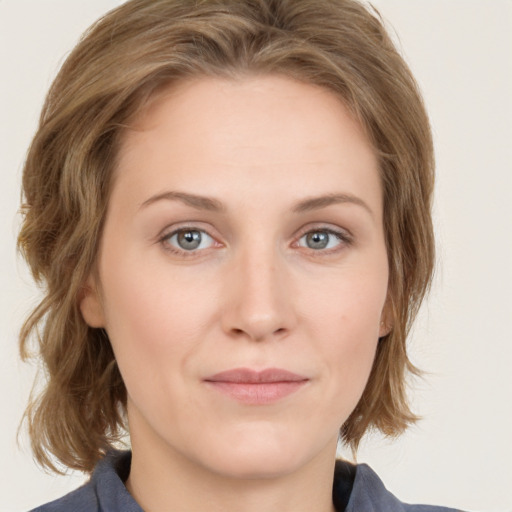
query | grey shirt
[355, 489]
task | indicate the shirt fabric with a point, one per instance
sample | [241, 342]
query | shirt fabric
[356, 488]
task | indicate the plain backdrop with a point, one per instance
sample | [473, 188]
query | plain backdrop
[460, 455]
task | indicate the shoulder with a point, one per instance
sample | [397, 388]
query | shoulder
[370, 494]
[104, 491]
[83, 499]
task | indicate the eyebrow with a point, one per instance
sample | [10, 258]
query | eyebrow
[316, 203]
[214, 205]
[198, 202]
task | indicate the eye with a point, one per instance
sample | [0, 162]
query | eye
[188, 239]
[321, 239]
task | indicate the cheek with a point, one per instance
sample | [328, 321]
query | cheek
[349, 306]
[156, 324]
[345, 320]
[152, 317]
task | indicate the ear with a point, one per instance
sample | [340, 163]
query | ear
[386, 319]
[90, 304]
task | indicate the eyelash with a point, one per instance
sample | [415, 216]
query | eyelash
[164, 240]
[343, 237]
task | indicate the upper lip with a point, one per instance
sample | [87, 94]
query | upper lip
[249, 376]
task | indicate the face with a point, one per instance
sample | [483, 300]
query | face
[242, 275]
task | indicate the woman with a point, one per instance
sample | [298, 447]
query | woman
[229, 205]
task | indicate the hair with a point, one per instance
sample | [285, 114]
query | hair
[122, 62]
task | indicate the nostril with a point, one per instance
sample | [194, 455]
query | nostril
[237, 332]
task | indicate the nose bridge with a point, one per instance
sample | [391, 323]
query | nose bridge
[259, 303]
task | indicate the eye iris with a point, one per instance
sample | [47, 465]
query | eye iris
[317, 240]
[189, 240]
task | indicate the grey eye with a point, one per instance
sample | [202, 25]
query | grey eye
[190, 239]
[318, 240]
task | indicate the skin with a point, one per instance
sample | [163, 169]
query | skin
[256, 293]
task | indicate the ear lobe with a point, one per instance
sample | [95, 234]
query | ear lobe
[386, 323]
[90, 304]
[384, 329]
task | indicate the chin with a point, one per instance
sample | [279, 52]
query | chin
[259, 455]
[252, 466]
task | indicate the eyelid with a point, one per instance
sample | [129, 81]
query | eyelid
[195, 225]
[344, 236]
[170, 231]
[318, 226]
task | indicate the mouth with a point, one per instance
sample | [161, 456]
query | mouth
[256, 387]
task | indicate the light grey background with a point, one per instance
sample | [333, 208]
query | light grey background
[461, 52]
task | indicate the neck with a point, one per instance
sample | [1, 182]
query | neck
[167, 480]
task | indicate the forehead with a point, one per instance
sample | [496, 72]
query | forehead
[203, 103]
[210, 132]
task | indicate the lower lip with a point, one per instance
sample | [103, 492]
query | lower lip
[260, 393]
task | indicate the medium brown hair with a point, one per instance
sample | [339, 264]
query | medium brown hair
[122, 62]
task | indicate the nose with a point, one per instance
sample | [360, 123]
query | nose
[258, 300]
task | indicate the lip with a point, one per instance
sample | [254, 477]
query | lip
[257, 387]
